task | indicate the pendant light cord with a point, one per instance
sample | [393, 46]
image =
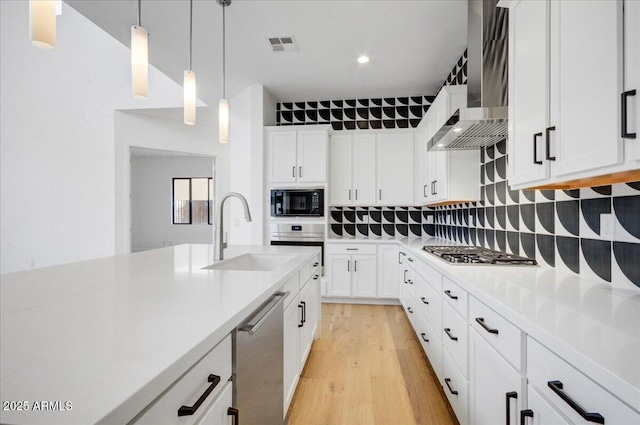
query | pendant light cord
[190, 31]
[224, 5]
[139, 13]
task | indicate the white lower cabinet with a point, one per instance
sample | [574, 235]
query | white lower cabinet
[497, 390]
[388, 271]
[455, 337]
[455, 387]
[352, 270]
[219, 412]
[306, 324]
[292, 318]
[540, 412]
[431, 344]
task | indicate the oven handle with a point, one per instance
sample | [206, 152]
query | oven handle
[273, 303]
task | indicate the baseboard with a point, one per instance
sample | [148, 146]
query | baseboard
[347, 300]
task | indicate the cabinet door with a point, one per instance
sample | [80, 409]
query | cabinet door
[282, 156]
[217, 413]
[540, 412]
[586, 82]
[363, 276]
[395, 169]
[388, 271]
[306, 330]
[339, 275]
[341, 170]
[313, 306]
[495, 386]
[632, 76]
[364, 169]
[312, 156]
[438, 163]
[291, 350]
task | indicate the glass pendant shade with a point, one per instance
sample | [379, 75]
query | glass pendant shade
[223, 120]
[139, 61]
[42, 23]
[189, 97]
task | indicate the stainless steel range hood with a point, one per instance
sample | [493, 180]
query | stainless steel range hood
[484, 121]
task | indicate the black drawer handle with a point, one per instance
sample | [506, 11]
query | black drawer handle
[535, 148]
[304, 311]
[625, 133]
[410, 282]
[409, 310]
[548, 135]
[453, 297]
[424, 300]
[190, 410]
[410, 259]
[509, 396]
[480, 320]
[423, 335]
[524, 414]
[556, 387]
[315, 277]
[301, 324]
[315, 265]
[352, 249]
[235, 414]
[448, 332]
[446, 381]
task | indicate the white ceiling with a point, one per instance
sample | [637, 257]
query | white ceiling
[413, 44]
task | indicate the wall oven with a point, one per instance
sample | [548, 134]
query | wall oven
[303, 234]
[297, 202]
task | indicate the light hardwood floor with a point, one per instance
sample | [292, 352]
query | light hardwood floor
[368, 369]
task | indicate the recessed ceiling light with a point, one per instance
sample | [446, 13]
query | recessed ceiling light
[363, 59]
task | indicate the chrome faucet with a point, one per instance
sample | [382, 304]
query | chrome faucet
[219, 243]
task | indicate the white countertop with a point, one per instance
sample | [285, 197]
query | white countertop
[110, 334]
[591, 325]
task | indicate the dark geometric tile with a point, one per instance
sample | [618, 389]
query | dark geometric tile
[513, 212]
[575, 193]
[490, 170]
[634, 185]
[375, 124]
[501, 217]
[403, 229]
[501, 168]
[627, 255]
[480, 212]
[311, 116]
[337, 229]
[376, 229]
[627, 209]
[546, 216]
[389, 215]
[513, 239]
[363, 229]
[569, 250]
[546, 248]
[349, 125]
[402, 216]
[375, 216]
[362, 125]
[501, 192]
[350, 229]
[376, 113]
[482, 178]
[602, 190]
[429, 229]
[501, 240]
[501, 146]
[402, 123]
[490, 217]
[350, 216]
[514, 195]
[490, 192]
[336, 115]
[491, 153]
[491, 242]
[350, 103]
[528, 243]
[549, 194]
[527, 212]
[569, 215]
[389, 123]
[473, 238]
[415, 229]
[415, 215]
[336, 216]
[389, 229]
[337, 126]
[591, 210]
[481, 239]
[597, 254]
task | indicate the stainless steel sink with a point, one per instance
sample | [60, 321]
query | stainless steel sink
[252, 262]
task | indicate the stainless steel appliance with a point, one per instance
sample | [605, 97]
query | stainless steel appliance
[477, 255]
[258, 365]
[298, 234]
[297, 202]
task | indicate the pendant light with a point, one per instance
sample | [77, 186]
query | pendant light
[42, 23]
[223, 105]
[190, 79]
[139, 59]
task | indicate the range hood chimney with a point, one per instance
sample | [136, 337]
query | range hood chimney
[484, 121]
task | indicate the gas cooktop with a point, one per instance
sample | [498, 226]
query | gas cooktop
[477, 255]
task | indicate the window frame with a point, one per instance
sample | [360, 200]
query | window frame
[210, 194]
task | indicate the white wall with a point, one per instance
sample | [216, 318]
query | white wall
[168, 134]
[151, 201]
[57, 134]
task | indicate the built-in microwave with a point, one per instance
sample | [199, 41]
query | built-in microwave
[297, 202]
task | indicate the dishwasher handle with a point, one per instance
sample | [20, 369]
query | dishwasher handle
[252, 326]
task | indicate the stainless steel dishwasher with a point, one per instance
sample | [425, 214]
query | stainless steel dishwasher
[258, 365]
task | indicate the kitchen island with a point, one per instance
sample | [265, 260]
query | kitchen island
[97, 341]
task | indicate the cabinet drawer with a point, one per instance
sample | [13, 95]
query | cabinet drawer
[431, 344]
[410, 308]
[542, 411]
[455, 336]
[430, 274]
[455, 296]
[315, 264]
[218, 413]
[188, 389]
[503, 335]
[546, 370]
[456, 388]
[429, 303]
[343, 248]
[293, 287]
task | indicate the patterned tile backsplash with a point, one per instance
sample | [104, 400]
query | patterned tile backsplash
[381, 222]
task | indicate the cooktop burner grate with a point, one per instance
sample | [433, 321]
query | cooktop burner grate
[477, 255]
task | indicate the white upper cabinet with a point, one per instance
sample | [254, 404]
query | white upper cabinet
[395, 168]
[631, 118]
[297, 156]
[341, 176]
[353, 169]
[565, 83]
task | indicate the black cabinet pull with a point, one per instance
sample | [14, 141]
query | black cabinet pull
[446, 381]
[509, 396]
[535, 148]
[315, 277]
[301, 324]
[556, 387]
[435, 186]
[356, 194]
[524, 414]
[410, 259]
[355, 265]
[315, 264]
[293, 171]
[190, 410]
[348, 261]
[448, 332]
[380, 194]
[409, 310]
[300, 173]
[405, 275]
[399, 257]
[410, 282]
[453, 297]
[480, 320]
[423, 335]
[424, 191]
[352, 249]
[548, 136]
[625, 134]
[235, 415]
[424, 300]
[304, 311]
[349, 194]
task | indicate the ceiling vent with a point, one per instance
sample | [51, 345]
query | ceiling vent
[282, 44]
